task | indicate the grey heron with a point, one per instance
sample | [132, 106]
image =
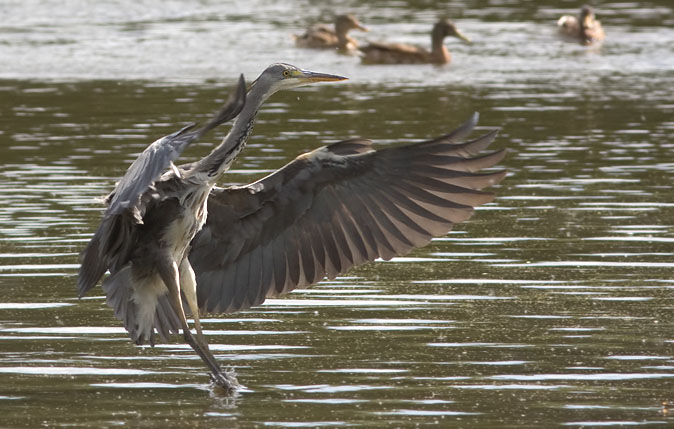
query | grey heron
[169, 236]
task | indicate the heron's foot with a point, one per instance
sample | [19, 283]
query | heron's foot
[225, 382]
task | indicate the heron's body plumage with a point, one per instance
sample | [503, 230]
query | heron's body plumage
[161, 239]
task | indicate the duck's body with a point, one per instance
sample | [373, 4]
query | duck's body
[321, 36]
[399, 53]
[584, 28]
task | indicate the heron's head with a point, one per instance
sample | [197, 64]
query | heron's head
[281, 76]
[445, 27]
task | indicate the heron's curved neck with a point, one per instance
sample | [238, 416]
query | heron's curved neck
[219, 160]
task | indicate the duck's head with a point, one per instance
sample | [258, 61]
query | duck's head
[587, 18]
[348, 22]
[445, 28]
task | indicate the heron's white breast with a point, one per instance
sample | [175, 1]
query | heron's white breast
[182, 230]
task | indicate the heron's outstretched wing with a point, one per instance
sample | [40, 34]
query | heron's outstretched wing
[113, 242]
[157, 157]
[333, 208]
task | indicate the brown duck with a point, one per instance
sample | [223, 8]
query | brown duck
[584, 29]
[398, 53]
[321, 36]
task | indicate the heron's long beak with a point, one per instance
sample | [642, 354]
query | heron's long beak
[362, 28]
[306, 76]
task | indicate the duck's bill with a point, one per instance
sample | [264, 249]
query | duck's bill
[463, 37]
[309, 76]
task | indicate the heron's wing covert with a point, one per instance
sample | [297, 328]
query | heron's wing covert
[334, 208]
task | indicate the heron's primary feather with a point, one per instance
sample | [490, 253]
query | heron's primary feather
[334, 208]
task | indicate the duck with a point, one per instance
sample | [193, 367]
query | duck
[398, 53]
[585, 28]
[321, 36]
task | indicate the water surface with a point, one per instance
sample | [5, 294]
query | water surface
[552, 306]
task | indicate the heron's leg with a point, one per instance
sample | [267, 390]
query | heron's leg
[170, 275]
[188, 285]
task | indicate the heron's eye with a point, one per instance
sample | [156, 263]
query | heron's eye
[286, 73]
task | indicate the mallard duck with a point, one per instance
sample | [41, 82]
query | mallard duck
[585, 28]
[398, 53]
[321, 36]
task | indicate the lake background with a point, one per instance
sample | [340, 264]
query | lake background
[552, 306]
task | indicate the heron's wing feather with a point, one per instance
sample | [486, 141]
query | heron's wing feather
[114, 240]
[334, 208]
[157, 157]
[108, 249]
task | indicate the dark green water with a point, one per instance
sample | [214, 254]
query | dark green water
[552, 306]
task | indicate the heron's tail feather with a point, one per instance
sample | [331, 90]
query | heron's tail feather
[141, 313]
